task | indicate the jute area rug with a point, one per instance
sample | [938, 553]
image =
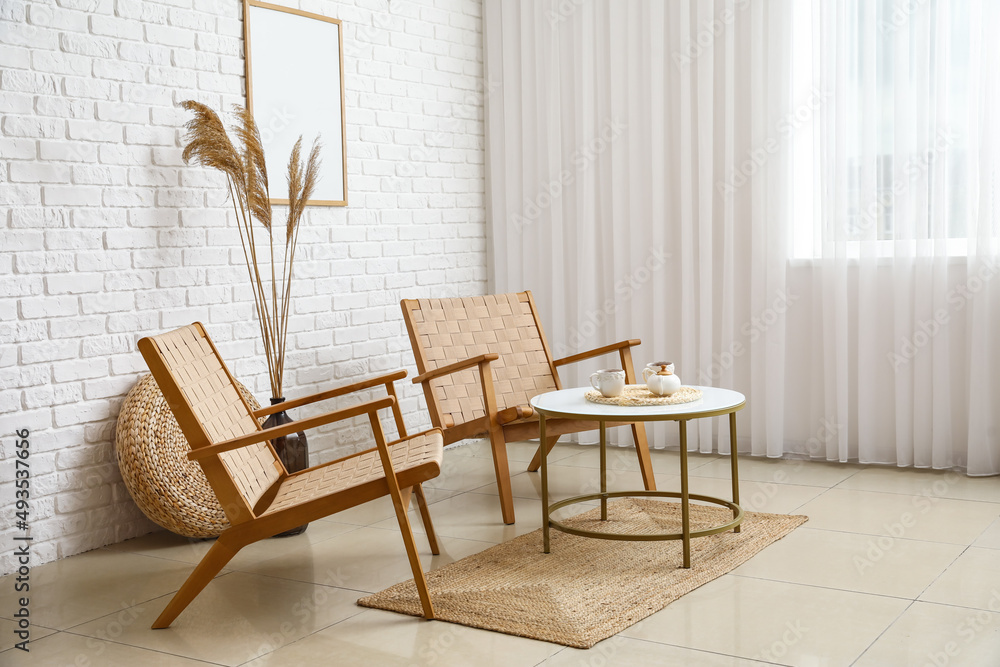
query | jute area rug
[587, 589]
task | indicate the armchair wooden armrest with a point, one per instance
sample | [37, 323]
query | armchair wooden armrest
[387, 379]
[369, 407]
[455, 367]
[614, 347]
[509, 415]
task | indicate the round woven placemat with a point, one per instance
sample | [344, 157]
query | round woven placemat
[152, 456]
[639, 394]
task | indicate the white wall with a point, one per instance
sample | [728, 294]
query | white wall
[108, 237]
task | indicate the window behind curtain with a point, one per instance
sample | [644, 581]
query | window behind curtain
[901, 103]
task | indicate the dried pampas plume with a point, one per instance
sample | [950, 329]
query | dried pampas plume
[208, 144]
[301, 184]
[254, 165]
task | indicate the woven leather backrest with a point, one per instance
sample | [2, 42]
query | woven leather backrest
[215, 403]
[451, 330]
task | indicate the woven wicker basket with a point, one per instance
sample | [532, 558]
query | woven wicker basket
[152, 455]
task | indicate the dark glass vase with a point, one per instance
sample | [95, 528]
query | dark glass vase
[292, 450]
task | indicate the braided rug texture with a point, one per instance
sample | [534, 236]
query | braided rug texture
[587, 589]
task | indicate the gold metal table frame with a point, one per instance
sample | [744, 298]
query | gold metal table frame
[570, 403]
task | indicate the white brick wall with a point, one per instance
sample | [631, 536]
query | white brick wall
[108, 237]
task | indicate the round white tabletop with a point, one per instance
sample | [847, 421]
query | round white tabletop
[570, 403]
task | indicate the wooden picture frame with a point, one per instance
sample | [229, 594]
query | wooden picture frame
[295, 86]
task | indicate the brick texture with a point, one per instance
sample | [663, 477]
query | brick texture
[108, 237]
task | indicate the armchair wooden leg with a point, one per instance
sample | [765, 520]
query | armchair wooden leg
[400, 499]
[536, 460]
[425, 516]
[502, 469]
[642, 451]
[216, 558]
[413, 556]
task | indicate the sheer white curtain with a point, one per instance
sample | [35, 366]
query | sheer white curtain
[701, 175]
[622, 136]
[895, 185]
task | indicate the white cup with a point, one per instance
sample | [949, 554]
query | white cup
[655, 366]
[610, 382]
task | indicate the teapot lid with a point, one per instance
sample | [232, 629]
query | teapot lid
[664, 369]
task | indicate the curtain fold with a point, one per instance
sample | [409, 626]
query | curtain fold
[795, 200]
[901, 149]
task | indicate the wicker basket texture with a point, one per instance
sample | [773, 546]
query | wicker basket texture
[152, 455]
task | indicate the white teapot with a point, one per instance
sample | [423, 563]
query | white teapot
[661, 379]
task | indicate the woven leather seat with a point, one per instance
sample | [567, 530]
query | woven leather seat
[259, 496]
[412, 458]
[480, 361]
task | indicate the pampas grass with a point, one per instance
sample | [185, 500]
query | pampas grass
[208, 144]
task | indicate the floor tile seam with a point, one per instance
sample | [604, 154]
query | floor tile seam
[930, 496]
[886, 629]
[933, 498]
[479, 492]
[217, 577]
[14, 647]
[351, 528]
[33, 625]
[693, 473]
[170, 593]
[413, 509]
[157, 557]
[108, 550]
[942, 572]
[314, 632]
[763, 578]
[821, 587]
[565, 463]
[136, 646]
[615, 469]
[980, 536]
[806, 526]
[354, 528]
[696, 650]
[877, 535]
[413, 499]
[346, 588]
[437, 533]
[542, 662]
[457, 492]
[306, 582]
[855, 472]
[768, 481]
[952, 605]
[799, 507]
[513, 463]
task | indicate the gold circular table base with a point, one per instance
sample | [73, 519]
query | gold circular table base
[650, 537]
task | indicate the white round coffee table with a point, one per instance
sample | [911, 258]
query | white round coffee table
[571, 404]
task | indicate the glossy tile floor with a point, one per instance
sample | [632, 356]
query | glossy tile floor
[894, 567]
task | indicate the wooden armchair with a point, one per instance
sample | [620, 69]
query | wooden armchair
[481, 359]
[258, 495]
